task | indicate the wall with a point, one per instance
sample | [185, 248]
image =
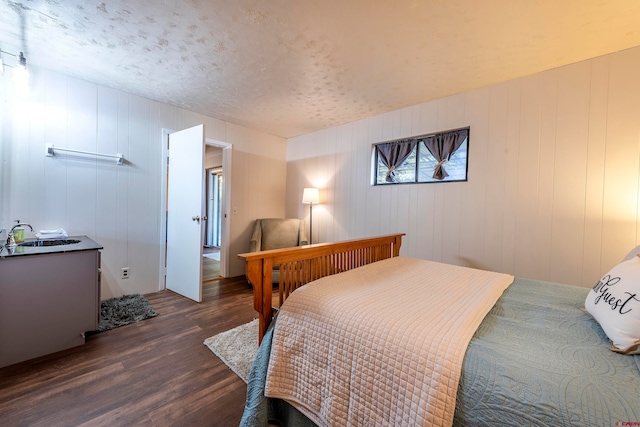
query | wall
[212, 157]
[553, 185]
[119, 206]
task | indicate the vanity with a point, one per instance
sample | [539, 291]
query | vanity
[49, 297]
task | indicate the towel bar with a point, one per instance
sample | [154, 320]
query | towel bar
[51, 152]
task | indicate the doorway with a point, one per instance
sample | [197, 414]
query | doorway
[224, 200]
[215, 189]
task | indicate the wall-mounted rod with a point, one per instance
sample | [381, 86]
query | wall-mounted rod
[51, 152]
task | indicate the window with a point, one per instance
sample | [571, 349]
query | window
[440, 157]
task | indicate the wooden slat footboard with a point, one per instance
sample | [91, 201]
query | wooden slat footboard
[303, 264]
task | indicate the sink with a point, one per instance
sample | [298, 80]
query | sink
[53, 242]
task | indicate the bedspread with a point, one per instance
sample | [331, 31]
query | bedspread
[537, 360]
[382, 344]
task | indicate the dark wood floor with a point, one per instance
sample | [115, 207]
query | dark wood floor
[156, 372]
[210, 267]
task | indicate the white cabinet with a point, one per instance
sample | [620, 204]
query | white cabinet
[47, 303]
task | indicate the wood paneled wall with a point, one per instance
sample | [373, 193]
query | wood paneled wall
[118, 206]
[553, 188]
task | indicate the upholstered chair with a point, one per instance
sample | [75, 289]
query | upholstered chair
[277, 233]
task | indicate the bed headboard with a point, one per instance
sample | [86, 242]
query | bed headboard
[302, 264]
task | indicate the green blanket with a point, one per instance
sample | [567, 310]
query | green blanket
[537, 360]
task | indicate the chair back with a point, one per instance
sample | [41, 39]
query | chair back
[280, 233]
[277, 233]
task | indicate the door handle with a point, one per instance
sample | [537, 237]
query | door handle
[196, 218]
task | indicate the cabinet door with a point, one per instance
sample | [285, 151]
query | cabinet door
[47, 303]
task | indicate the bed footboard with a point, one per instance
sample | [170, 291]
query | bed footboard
[303, 264]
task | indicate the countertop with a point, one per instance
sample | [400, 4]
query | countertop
[85, 244]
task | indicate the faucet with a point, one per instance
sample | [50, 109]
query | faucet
[10, 233]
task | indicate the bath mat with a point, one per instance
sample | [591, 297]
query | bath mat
[120, 311]
[214, 256]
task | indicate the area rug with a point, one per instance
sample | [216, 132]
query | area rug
[236, 347]
[214, 255]
[120, 311]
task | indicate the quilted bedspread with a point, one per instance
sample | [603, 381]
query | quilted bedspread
[382, 344]
[537, 360]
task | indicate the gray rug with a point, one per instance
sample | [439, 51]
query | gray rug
[236, 347]
[116, 312]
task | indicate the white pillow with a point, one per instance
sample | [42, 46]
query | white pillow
[615, 303]
[633, 252]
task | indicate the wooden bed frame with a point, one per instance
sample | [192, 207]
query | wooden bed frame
[302, 264]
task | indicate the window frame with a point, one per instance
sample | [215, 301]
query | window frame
[420, 138]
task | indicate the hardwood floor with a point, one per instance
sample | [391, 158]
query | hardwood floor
[210, 267]
[156, 372]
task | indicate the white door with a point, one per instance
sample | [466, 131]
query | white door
[185, 225]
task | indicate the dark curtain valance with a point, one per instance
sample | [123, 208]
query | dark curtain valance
[442, 146]
[393, 154]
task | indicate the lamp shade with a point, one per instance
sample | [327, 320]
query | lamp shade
[310, 196]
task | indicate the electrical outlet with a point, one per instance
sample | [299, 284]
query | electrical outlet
[124, 273]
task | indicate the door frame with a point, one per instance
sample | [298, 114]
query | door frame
[227, 150]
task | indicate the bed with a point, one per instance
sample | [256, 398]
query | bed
[303, 264]
[524, 354]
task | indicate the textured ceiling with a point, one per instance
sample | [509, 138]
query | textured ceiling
[289, 67]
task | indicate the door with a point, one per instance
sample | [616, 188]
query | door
[216, 203]
[214, 206]
[185, 208]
